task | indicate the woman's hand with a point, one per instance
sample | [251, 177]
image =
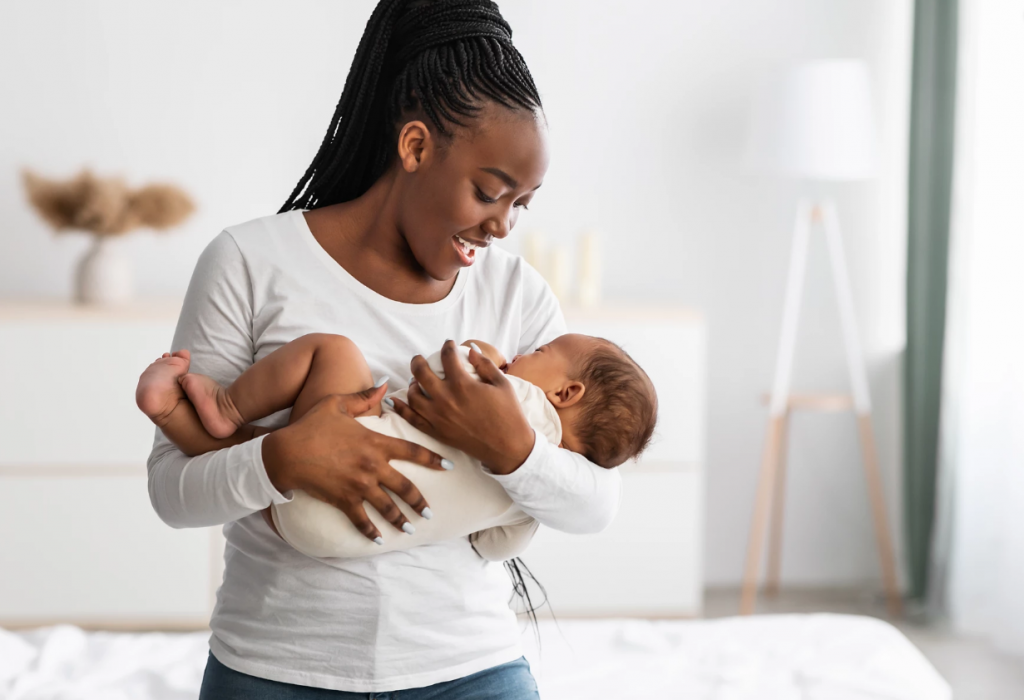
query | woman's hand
[331, 456]
[481, 418]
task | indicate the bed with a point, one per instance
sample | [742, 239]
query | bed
[772, 657]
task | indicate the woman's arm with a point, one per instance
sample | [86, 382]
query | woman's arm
[210, 489]
[563, 490]
[215, 326]
[326, 452]
[558, 487]
[484, 419]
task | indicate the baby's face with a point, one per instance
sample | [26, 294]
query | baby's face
[549, 366]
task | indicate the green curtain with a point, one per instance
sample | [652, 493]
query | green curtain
[932, 111]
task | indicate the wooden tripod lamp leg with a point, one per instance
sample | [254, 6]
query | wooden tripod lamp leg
[759, 522]
[771, 587]
[874, 478]
[861, 403]
[779, 402]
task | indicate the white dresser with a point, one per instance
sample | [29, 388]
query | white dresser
[79, 541]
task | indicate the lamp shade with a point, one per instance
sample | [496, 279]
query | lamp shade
[816, 123]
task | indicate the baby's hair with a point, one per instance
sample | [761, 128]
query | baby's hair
[619, 408]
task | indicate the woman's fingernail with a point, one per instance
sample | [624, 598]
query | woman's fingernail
[408, 529]
[476, 347]
[448, 464]
[427, 513]
[381, 382]
[390, 403]
[378, 540]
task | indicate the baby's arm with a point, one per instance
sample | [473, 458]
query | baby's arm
[489, 351]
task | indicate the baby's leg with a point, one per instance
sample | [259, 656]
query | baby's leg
[337, 367]
[298, 374]
[158, 393]
[161, 397]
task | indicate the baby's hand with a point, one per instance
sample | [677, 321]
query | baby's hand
[490, 352]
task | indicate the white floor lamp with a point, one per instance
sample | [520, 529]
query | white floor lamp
[815, 125]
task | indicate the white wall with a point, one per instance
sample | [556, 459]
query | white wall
[647, 104]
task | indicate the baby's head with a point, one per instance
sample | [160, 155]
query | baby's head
[607, 404]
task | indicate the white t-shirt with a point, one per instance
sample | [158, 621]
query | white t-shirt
[401, 619]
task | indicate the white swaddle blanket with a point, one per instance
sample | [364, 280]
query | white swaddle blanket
[464, 501]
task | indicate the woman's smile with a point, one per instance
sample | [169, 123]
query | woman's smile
[466, 249]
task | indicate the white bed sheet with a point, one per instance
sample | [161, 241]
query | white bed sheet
[777, 657]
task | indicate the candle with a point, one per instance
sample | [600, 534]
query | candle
[590, 268]
[559, 272]
[533, 251]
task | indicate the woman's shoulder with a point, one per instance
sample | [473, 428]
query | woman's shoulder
[266, 242]
[506, 281]
[265, 230]
[254, 251]
[502, 268]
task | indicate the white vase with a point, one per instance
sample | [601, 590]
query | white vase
[104, 274]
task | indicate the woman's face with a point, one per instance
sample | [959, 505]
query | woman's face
[460, 197]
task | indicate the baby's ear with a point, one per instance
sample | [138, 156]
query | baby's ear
[569, 394]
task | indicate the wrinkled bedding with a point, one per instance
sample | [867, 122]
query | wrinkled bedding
[775, 657]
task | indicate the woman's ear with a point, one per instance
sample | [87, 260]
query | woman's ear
[569, 394]
[414, 145]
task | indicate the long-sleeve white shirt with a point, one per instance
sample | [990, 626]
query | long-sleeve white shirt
[397, 620]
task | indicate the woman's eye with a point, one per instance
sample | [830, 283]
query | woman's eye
[484, 198]
[521, 205]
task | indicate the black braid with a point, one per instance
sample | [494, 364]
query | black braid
[515, 567]
[442, 57]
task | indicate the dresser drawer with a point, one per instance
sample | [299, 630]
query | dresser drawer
[91, 549]
[648, 562]
[67, 390]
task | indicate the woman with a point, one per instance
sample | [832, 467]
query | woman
[436, 145]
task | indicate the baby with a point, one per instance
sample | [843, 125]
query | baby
[582, 393]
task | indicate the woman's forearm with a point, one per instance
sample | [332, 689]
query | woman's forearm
[209, 489]
[511, 452]
[275, 461]
[484, 419]
[216, 326]
[563, 490]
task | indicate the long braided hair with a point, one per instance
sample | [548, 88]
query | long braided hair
[438, 58]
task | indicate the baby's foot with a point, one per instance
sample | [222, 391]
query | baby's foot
[158, 392]
[213, 404]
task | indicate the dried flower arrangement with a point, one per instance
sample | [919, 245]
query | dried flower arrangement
[107, 208]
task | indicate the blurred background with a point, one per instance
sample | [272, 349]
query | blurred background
[650, 105]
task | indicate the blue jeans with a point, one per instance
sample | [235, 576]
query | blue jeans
[511, 681]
